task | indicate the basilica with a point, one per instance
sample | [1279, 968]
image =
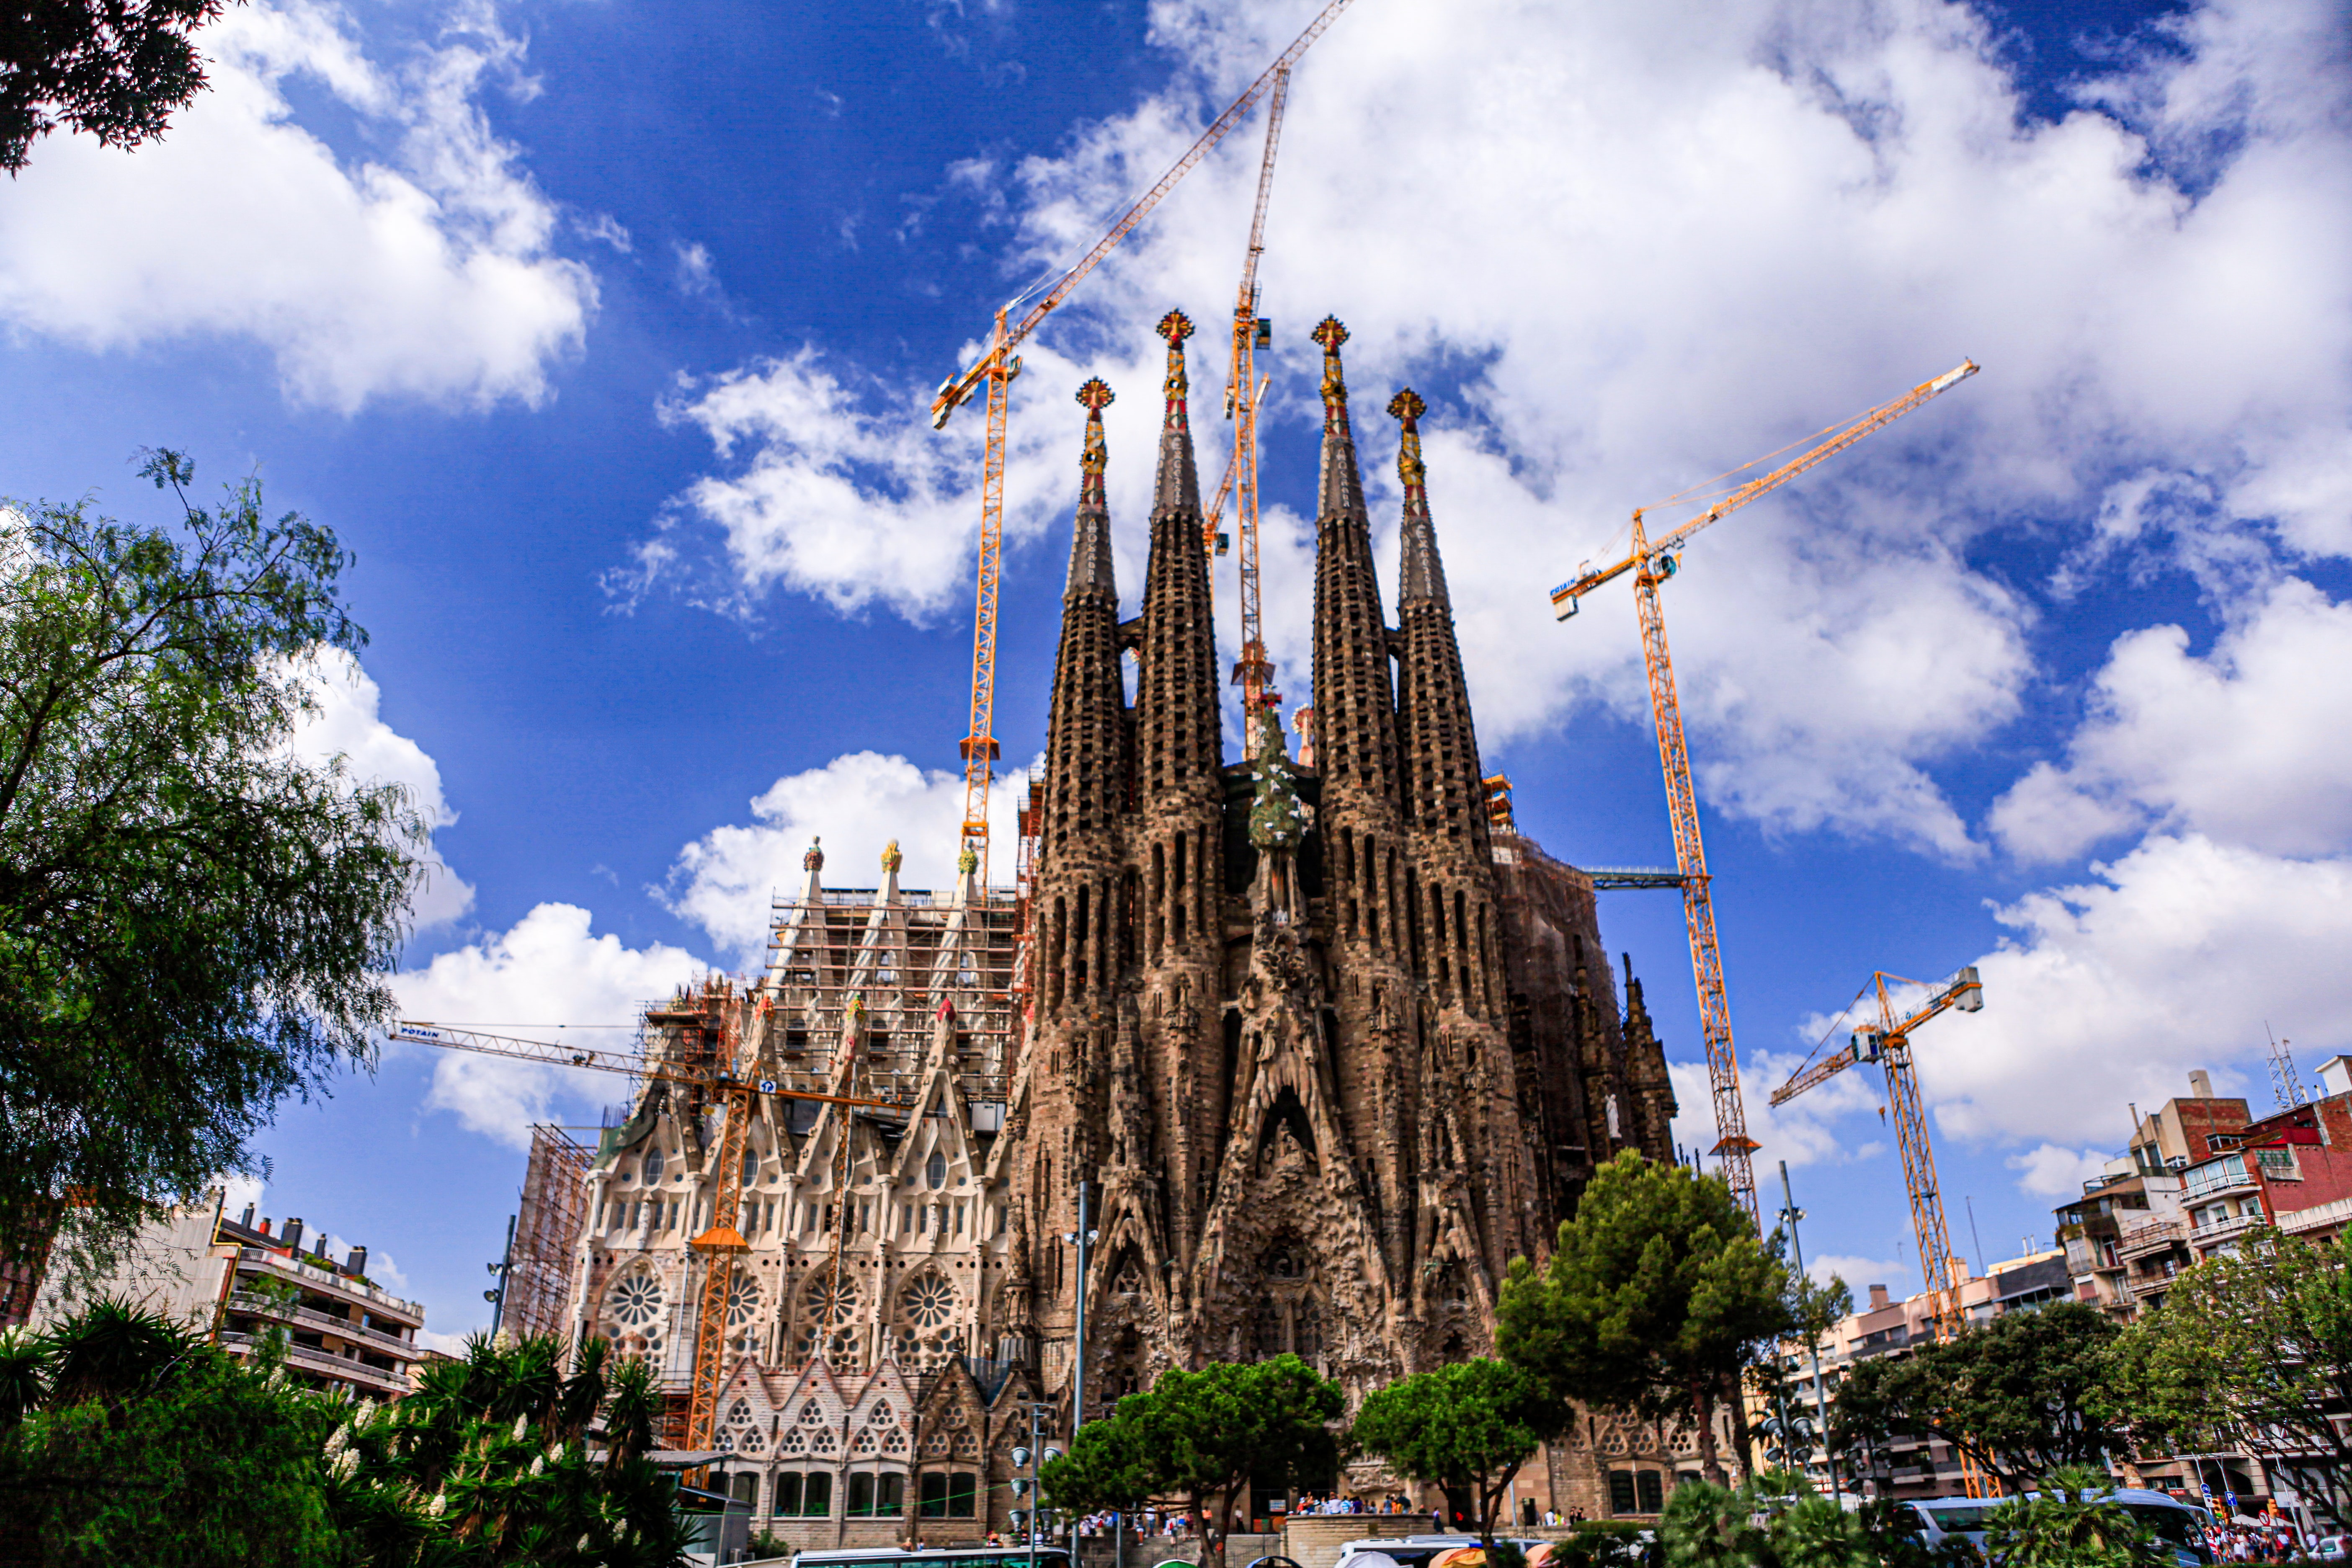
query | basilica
[1316, 1042]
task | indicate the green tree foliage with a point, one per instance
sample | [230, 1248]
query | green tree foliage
[128, 1438]
[193, 923]
[2251, 1351]
[115, 70]
[1204, 1436]
[1468, 1427]
[1109, 1465]
[1658, 1297]
[2071, 1521]
[1777, 1521]
[2020, 1395]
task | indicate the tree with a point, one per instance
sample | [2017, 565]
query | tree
[1204, 1436]
[114, 69]
[194, 922]
[1109, 1465]
[1468, 1427]
[2251, 1351]
[2071, 1521]
[1658, 1297]
[2020, 1395]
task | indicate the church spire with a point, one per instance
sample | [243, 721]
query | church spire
[1178, 486]
[1341, 488]
[1423, 576]
[1090, 562]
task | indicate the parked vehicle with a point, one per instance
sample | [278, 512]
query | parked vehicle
[1419, 1551]
[2179, 1525]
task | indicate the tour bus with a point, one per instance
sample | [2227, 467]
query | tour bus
[1414, 1551]
[2178, 1526]
[934, 1557]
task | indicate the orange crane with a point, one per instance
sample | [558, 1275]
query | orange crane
[995, 369]
[1889, 1044]
[1243, 390]
[711, 1025]
[1651, 562]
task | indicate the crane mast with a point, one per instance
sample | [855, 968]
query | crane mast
[1889, 1044]
[1653, 561]
[1254, 672]
[996, 368]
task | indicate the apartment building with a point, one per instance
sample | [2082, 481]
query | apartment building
[1889, 1327]
[241, 1280]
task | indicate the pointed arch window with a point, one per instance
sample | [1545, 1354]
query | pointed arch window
[935, 1171]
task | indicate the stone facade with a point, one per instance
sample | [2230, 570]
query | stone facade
[1324, 1049]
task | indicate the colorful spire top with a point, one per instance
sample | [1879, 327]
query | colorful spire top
[1178, 489]
[1090, 565]
[1176, 326]
[1096, 396]
[1408, 408]
[1331, 333]
[1424, 575]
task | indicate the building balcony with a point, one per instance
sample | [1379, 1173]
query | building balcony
[343, 1369]
[2322, 1217]
[2227, 1231]
[375, 1340]
[327, 1282]
[2149, 1236]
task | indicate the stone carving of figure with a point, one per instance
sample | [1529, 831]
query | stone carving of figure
[815, 859]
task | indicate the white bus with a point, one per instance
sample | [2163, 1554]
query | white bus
[933, 1557]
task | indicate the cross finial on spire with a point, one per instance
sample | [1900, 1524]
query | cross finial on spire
[1331, 333]
[1096, 395]
[1175, 326]
[1407, 408]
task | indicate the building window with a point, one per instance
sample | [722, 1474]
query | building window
[802, 1496]
[935, 1171]
[950, 1496]
[1653, 1489]
[652, 1166]
[1621, 1491]
[876, 1496]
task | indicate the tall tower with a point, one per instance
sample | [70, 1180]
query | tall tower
[1079, 869]
[1360, 821]
[1457, 932]
[1175, 854]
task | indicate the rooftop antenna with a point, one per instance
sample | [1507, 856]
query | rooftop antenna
[2284, 1086]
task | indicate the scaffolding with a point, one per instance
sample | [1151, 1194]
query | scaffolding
[554, 1209]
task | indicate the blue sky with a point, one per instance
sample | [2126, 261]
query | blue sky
[601, 332]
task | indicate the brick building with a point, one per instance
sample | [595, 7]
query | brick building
[1318, 1049]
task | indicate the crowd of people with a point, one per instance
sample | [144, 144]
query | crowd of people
[2260, 1541]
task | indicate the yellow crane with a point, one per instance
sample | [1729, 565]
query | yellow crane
[711, 1059]
[1888, 1043]
[995, 369]
[1243, 390]
[1651, 562]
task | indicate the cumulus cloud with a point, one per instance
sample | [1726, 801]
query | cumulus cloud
[2054, 1172]
[344, 723]
[546, 974]
[1613, 302]
[2114, 989]
[1860, 1273]
[2247, 744]
[1803, 1132]
[857, 804]
[423, 268]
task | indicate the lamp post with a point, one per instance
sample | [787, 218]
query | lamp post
[496, 1297]
[1790, 1215]
[1033, 1457]
[1083, 1239]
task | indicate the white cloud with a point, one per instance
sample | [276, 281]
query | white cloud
[1800, 1132]
[857, 804]
[423, 268]
[2250, 744]
[345, 724]
[1846, 201]
[2050, 1171]
[695, 273]
[2113, 990]
[545, 974]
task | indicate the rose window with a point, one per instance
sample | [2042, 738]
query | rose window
[635, 1302]
[928, 1302]
[742, 1301]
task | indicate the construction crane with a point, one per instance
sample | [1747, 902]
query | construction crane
[1889, 1044]
[1651, 562]
[996, 369]
[711, 1025]
[1254, 671]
